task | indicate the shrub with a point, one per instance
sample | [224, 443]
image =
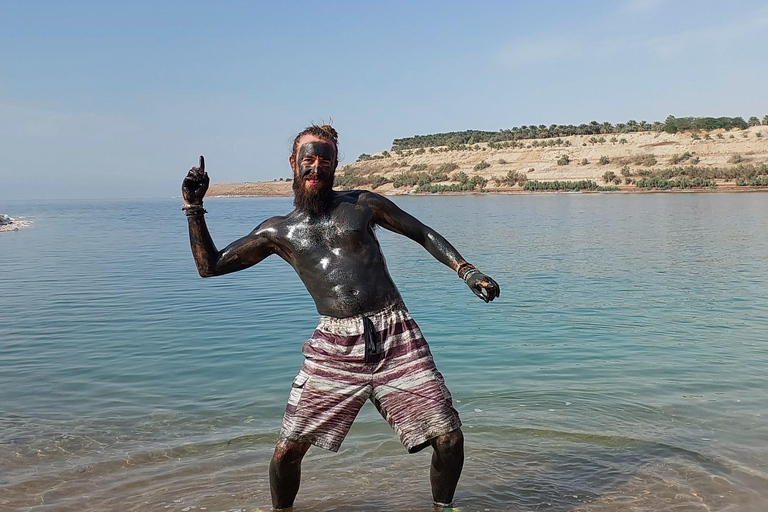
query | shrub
[757, 181]
[461, 177]
[608, 176]
[439, 189]
[563, 160]
[604, 160]
[682, 182]
[478, 181]
[647, 160]
[622, 140]
[363, 157]
[565, 185]
[511, 179]
[482, 165]
[447, 167]
[625, 171]
[584, 161]
[676, 159]
[501, 161]
[352, 179]
[735, 159]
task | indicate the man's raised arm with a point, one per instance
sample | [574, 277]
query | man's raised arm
[389, 216]
[238, 255]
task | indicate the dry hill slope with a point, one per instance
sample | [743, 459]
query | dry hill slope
[718, 157]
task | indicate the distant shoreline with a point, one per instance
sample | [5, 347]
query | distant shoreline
[269, 189]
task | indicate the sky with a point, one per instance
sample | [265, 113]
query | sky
[118, 99]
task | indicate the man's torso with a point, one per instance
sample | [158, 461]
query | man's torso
[337, 256]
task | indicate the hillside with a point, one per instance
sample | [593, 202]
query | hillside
[723, 159]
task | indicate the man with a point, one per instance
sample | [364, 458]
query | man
[367, 346]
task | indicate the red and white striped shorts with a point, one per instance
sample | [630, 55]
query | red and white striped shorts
[399, 377]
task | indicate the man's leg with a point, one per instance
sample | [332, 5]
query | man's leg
[285, 472]
[447, 462]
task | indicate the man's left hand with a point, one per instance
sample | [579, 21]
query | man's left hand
[483, 286]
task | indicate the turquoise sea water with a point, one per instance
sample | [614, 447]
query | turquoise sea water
[625, 366]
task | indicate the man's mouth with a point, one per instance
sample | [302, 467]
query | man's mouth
[314, 180]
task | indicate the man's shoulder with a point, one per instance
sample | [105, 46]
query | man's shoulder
[271, 225]
[357, 196]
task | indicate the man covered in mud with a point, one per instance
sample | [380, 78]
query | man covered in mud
[367, 346]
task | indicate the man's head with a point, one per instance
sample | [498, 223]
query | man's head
[314, 159]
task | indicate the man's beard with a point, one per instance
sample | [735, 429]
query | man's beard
[316, 200]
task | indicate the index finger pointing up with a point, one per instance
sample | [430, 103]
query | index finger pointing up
[202, 164]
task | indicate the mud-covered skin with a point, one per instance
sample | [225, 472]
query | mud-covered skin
[336, 255]
[324, 151]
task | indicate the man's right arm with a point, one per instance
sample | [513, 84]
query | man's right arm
[238, 255]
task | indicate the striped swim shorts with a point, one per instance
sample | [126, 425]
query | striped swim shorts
[380, 356]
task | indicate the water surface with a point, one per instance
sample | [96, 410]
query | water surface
[623, 368]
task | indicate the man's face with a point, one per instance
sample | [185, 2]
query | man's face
[314, 164]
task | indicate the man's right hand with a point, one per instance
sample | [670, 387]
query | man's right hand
[195, 185]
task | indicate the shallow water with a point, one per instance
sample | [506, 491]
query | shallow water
[623, 368]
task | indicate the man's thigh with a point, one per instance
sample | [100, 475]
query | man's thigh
[322, 406]
[417, 404]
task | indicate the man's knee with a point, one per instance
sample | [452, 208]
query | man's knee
[450, 444]
[289, 452]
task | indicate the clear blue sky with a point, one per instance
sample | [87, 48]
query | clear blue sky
[117, 99]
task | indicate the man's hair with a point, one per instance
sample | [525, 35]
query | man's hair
[325, 131]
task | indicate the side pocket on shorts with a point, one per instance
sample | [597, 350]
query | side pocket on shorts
[297, 388]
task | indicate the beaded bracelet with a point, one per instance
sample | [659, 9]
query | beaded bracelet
[464, 266]
[193, 209]
[469, 273]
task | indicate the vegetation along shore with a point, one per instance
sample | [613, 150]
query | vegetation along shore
[680, 154]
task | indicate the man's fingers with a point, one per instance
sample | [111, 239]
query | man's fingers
[479, 293]
[202, 164]
[496, 287]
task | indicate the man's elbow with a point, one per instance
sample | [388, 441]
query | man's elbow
[204, 272]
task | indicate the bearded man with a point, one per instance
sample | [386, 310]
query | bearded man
[366, 346]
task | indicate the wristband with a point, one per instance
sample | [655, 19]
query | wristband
[464, 267]
[193, 209]
[469, 273]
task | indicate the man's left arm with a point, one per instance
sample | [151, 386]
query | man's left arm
[389, 216]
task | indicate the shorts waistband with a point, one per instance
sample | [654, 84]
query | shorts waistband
[355, 322]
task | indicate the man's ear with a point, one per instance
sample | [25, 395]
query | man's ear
[292, 161]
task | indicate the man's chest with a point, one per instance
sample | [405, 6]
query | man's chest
[341, 231]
